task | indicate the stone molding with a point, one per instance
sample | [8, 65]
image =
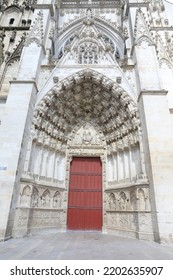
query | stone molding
[152, 92]
[49, 7]
[25, 82]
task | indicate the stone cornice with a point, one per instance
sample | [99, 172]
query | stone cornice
[126, 185]
[138, 5]
[45, 7]
[152, 92]
[161, 28]
[94, 4]
[25, 82]
[20, 28]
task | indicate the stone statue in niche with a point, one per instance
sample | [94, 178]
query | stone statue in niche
[26, 196]
[46, 199]
[112, 201]
[35, 197]
[141, 199]
[122, 201]
[57, 200]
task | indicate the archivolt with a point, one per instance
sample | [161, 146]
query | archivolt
[89, 96]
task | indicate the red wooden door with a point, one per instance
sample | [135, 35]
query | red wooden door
[85, 194]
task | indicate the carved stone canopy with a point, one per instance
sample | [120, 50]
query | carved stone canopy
[91, 97]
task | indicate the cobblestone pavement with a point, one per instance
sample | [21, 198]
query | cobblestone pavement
[74, 245]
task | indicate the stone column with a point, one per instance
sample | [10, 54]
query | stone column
[36, 159]
[115, 167]
[126, 165]
[53, 165]
[50, 163]
[29, 153]
[130, 164]
[43, 170]
[110, 168]
[118, 167]
[158, 139]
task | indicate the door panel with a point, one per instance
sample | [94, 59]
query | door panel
[85, 194]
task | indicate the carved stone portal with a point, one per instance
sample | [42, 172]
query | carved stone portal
[87, 115]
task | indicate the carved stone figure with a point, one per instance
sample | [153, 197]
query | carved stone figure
[57, 200]
[122, 201]
[45, 199]
[26, 196]
[141, 199]
[35, 197]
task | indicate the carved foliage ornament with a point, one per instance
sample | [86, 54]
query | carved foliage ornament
[142, 28]
[36, 34]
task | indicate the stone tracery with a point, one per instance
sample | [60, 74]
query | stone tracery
[88, 45]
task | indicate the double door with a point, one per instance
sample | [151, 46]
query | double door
[85, 194]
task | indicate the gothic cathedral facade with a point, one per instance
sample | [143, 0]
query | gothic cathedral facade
[86, 117]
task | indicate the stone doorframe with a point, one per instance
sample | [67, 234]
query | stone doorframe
[100, 153]
[98, 147]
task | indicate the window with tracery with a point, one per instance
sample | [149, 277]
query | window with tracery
[88, 53]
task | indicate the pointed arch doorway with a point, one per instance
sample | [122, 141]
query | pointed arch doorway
[85, 194]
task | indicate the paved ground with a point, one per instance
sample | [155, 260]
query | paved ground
[83, 246]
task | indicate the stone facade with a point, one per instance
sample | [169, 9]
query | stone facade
[90, 79]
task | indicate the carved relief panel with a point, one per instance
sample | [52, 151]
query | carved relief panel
[132, 199]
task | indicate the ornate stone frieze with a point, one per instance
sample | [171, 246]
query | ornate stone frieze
[41, 218]
[134, 198]
[133, 222]
[41, 197]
